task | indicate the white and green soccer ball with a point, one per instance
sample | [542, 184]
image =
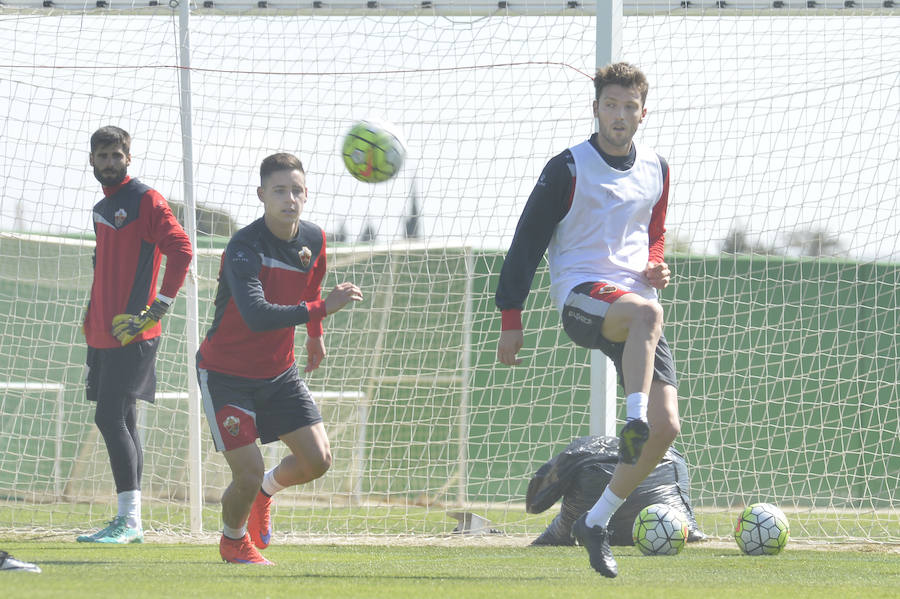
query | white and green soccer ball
[660, 529]
[762, 529]
[373, 151]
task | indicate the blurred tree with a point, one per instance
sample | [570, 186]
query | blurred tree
[677, 244]
[815, 242]
[368, 233]
[210, 221]
[340, 236]
[412, 218]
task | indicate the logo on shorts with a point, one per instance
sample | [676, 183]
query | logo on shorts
[120, 217]
[580, 316]
[603, 289]
[305, 256]
[233, 425]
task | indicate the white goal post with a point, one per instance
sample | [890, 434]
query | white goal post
[777, 121]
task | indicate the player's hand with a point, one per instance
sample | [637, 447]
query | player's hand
[657, 274]
[341, 295]
[315, 353]
[510, 343]
[125, 327]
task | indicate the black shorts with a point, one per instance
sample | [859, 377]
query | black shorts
[122, 372]
[239, 410]
[582, 319]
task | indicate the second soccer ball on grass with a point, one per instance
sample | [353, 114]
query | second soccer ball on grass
[373, 151]
[660, 530]
[761, 529]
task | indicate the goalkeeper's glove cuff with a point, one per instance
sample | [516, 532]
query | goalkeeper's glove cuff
[157, 309]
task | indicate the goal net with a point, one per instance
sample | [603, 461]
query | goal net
[780, 128]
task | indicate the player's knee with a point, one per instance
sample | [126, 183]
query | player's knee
[320, 464]
[651, 315]
[108, 423]
[666, 430]
[248, 478]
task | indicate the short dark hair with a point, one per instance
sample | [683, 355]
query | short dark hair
[279, 162]
[624, 74]
[111, 135]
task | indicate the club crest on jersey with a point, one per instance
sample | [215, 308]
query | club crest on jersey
[232, 424]
[305, 256]
[120, 217]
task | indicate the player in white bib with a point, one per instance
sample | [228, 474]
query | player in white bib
[598, 210]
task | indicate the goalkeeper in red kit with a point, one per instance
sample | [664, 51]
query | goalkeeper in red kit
[269, 282]
[134, 228]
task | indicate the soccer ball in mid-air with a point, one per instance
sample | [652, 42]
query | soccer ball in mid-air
[660, 529]
[761, 529]
[372, 151]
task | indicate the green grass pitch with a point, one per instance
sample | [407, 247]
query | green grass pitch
[74, 570]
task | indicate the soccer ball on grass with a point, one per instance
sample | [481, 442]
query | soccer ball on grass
[762, 529]
[660, 530]
[372, 151]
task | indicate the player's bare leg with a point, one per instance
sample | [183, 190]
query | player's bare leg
[310, 456]
[309, 459]
[638, 322]
[247, 469]
[662, 413]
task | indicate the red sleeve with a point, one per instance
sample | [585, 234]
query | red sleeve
[511, 320]
[313, 296]
[657, 227]
[173, 243]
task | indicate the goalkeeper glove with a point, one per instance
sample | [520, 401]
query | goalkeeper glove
[125, 327]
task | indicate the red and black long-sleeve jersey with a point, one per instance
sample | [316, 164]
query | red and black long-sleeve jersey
[134, 228]
[267, 286]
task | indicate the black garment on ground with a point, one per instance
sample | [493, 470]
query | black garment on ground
[580, 474]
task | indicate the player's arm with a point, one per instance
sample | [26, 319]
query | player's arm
[164, 230]
[173, 243]
[240, 268]
[87, 307]
[338, 298]
[315, 340]
[313, 293]
[657, 272]
[546, 206]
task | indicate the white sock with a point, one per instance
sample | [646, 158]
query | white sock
[270, 486]
[636, 406]
[234, 533]
[130, 507]
[606, 506]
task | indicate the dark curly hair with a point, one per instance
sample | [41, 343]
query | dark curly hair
[624, 74]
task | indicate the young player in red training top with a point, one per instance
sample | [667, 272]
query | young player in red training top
[269, 282]
[134, 228]
[599, 211]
